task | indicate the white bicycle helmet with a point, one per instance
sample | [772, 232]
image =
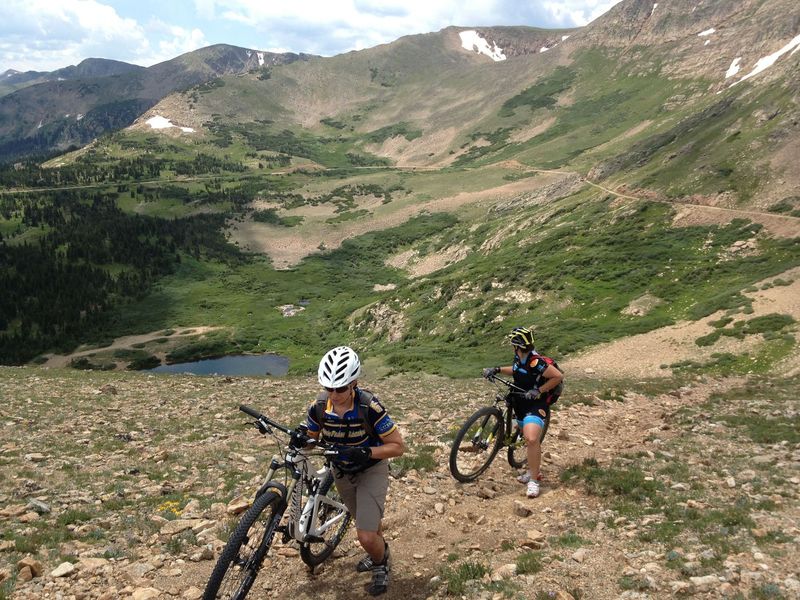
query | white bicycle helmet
[338, 367]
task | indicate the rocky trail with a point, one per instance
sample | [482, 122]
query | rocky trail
[119, 485]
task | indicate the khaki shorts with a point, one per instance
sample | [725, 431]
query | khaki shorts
[364, 494]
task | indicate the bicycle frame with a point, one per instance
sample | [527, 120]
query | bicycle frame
[508, 411]
[301, 524]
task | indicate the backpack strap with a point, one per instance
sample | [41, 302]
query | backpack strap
[365, 398]
[547, 360]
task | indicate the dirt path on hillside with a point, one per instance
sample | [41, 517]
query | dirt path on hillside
[689, 213]
[127, 342]
[431, 517]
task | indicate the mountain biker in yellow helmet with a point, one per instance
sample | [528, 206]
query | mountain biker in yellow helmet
[542, 380]
[363, 433]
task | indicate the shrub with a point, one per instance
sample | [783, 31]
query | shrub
[457, 578]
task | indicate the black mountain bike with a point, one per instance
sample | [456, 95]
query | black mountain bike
[485, 432]
[316, 517]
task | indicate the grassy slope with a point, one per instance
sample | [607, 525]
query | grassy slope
[589, 260]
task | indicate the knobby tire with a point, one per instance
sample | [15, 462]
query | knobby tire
[315, 553]
[241, 559]
[518, 449]
[476, 444]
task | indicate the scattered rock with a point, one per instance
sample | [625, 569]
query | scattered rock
[31, 564]
[680, 588]
[705, 583]
[579, 555]
[522, 510]
[25, 574]
[747, 475]
[486, 493]
[505, 572]
[178, 525]
[38, 506]
[62, 570]
[238, 505]
[145, 593]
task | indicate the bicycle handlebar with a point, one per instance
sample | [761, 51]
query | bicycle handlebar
[507, 383]
[264, 420]
[259, 417]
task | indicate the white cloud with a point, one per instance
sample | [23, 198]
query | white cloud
[49, 34]
[43, 35]
[329, 27]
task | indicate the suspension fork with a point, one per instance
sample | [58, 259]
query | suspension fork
[274, 465]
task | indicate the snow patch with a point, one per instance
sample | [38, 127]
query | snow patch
[79, 117]
[260, 56]
[706, 32]
[159, 122]
[767, 61]
[39, 126]
[655, 6]
[706, 43]
[564, 38]
[472, 41]
[734, 68]
[544, 49]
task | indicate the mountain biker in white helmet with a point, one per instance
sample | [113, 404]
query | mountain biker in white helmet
[365, 436]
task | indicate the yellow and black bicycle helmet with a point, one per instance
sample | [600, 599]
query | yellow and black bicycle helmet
[521, 337]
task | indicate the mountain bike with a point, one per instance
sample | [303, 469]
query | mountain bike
[485, 432]
[294, 502]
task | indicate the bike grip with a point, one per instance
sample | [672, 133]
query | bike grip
[250, 411]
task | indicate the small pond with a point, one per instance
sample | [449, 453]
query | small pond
[238, 365]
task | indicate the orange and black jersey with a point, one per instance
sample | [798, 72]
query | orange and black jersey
[529, 373]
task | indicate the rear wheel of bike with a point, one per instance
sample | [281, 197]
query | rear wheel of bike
[518, 448]
[238, 565]
[315, 552]
[476, 444]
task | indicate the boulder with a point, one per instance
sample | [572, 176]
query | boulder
[32, 564]
[63, 570]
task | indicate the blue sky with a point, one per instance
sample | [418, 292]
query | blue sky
[44, 35]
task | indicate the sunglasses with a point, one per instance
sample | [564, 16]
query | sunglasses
[338, 390]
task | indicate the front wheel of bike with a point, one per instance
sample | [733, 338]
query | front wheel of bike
[241, 559]
[331, 523]
[476, 444]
